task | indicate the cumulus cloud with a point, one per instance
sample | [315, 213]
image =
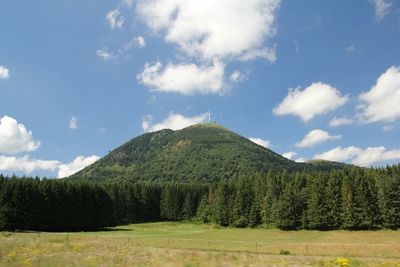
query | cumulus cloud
[140, 41]
[268, 54]
[316, 136]
[361, 157]
[26, 164]
[4, 73]
[336, 122]
[115, 20]
[14, 137]
[301, 160]
[187, 79]
[317, 99]
[289, 155]
[73, 123]
[202, 28]
[237, 77]
[381, 8]
[261, 142]
[76, 165]
[174, 121]
[339, 153]
[381, 103]
[106, 55]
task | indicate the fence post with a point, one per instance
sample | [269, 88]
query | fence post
[209, 244]
[307, 249]
[256, 247]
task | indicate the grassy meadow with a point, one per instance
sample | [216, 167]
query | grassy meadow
[187, 244]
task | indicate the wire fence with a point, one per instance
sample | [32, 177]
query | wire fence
[283, 248]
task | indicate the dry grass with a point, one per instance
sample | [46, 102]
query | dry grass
[169, 244]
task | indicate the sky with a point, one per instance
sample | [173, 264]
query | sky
[80, 78]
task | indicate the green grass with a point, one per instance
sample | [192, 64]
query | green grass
[188, 244]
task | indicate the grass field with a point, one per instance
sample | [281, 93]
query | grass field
[186, 244]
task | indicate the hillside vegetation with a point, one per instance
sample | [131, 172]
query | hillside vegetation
[201, 153]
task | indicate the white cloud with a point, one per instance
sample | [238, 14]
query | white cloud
[268, 54]
[14, 137]
[336, 122]
[127, 3]
[209, 29]
[381, 8]
[237, 77]
[174, 121]
[381, 103]
[187, 79]
[360, 157]
[76, 165]
[301, 160]
[4, 73]
[106, 55]
[372, 155]
[339, 153]
[73, 123]
[26, 164]
[261, 142]
[317, 99]
[140, 41]
[289, 155]
[316, 136]
[115, 19]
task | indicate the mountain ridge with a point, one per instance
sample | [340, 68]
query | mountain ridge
[202, 153]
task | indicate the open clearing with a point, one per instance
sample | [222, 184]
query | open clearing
[187, 244]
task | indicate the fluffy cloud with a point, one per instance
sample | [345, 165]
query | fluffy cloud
[289, 155]
[315, 137]
[174, 121]
[202, 28]
[381, 103]
[339, 153]
[140, 41]
[301, 160]
[73, 123]
[237, 77]
[381, 8]
[186, 79]
[261, 142]
[76, 165]
[268, 54]
[317, 99]
[360, 157]
[106, 55]
[336, 122]
[14, 137]
[115, 20]
[4, 73]
[26, 164]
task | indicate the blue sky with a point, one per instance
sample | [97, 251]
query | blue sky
[79, 78]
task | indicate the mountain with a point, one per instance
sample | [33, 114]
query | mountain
[201, 153]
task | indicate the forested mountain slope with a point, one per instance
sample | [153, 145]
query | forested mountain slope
[201, 153]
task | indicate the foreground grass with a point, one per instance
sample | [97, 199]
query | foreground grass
[184, 244]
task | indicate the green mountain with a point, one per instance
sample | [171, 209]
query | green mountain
[202, 153]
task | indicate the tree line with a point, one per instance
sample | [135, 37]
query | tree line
[350, 198]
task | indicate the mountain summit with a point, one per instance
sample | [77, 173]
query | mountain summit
[201, 153]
